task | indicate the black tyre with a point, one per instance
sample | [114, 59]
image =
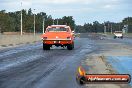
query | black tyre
[121, 37]
[46, 47]
[70, 46]
[114, 37]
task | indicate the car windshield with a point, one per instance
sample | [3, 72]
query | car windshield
[118, 31]
[57, 29]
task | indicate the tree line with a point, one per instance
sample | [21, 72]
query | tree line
[109, 26]
[10, 21]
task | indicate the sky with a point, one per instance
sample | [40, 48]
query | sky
[83, 11]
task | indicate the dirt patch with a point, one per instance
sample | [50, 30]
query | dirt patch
[109, 66]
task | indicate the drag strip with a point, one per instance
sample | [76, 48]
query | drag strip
[29, 66]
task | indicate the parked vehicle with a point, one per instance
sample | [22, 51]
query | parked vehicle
[118, 34]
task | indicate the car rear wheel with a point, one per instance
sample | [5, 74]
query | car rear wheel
[46, 47]
[70, 46]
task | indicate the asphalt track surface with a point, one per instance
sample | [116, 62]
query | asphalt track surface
[29, 66]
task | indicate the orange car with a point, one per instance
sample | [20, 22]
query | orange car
[58, 35]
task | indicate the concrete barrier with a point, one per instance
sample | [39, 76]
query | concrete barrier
[11, 40]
